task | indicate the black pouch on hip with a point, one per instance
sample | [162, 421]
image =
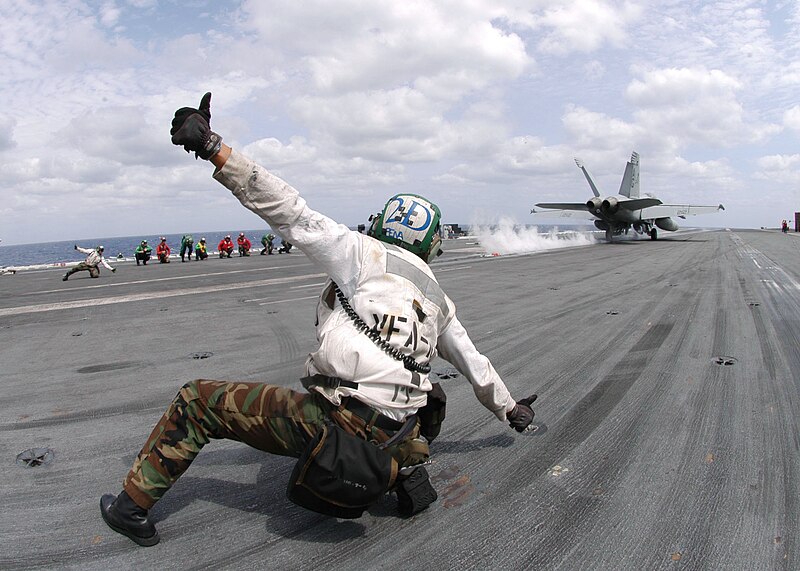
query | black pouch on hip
[432, 414]
[340, 475]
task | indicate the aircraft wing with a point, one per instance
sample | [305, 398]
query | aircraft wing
[563, 205]
[639, 203]
[679, 210]
[553, 214]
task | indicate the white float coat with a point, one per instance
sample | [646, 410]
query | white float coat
[390, 288]
[93, 257]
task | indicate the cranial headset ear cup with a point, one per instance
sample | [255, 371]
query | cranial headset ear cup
[436, 248]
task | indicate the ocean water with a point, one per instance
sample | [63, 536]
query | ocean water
[64, 252]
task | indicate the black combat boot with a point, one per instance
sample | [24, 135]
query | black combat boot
[124, 516]
[415, 493]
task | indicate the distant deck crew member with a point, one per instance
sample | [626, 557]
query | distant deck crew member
[142, 253]
[200, 250]
[91, 264]
[187, 245]
[244, 245]
[267, 241]
[163, 250]
[225, 247]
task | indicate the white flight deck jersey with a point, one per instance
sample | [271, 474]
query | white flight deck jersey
[94, 258]
[389, 288]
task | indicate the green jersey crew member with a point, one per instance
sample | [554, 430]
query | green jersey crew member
[142, 253]
[351, 381]
[267, 241]
[187, 245]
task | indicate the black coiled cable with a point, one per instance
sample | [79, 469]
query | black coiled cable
[374, 334]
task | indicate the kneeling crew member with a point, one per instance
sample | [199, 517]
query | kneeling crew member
[244, 245]
[163, 251]
[142, 253]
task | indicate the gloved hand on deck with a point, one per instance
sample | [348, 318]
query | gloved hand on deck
[522, 414]
[191, 128]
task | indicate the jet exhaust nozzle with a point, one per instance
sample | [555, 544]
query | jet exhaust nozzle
[594, 204]
[610, 205]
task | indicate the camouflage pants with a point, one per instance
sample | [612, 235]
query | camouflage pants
[94, 271]
[274, 419]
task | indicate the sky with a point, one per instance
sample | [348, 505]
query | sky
[478, 105]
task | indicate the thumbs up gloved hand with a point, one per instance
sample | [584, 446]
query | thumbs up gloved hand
[521, 415]
[191, 128]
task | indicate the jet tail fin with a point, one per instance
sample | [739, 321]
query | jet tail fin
[588, 177]
[630, 180]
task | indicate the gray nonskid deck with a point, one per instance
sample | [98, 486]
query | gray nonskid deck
[667, 375]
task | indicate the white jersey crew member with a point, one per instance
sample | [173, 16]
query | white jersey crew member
[388, 287]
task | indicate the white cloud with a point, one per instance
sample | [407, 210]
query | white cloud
[593, 130]
[791, 118]
[442, 49]
[109, 14]
[7, 125]
[584, 25]
[694, 105]
[272, 153]
[779, 162]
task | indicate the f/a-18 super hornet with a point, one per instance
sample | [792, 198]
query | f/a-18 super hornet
[619, 213]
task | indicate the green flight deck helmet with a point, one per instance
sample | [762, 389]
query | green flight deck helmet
[410, 222]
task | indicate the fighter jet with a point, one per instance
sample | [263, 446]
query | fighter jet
[619, 213]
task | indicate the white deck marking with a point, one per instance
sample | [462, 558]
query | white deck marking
[288, 300]
[292, 287]
[149, 295]
[191, 277]
[443, 270]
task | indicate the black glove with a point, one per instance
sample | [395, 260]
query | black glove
[522, 414]
[192, 128]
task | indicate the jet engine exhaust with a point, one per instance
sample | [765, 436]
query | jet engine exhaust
[610, 205]
[594, 205]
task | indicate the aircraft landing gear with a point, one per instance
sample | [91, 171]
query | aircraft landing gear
[653, 234]
[608, 235]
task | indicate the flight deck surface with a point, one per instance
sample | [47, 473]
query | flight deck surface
[668, 376]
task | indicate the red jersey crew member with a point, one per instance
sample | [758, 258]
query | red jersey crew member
[163, 251]
[225, 247]
[244, 245]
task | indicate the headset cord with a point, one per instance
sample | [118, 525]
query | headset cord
[408, 361]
